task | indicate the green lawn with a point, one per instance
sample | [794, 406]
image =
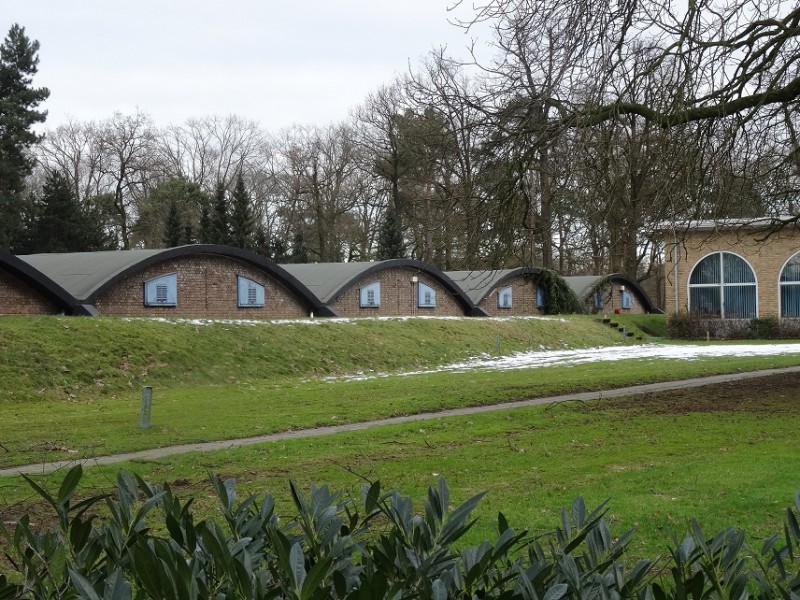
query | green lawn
[711, 452]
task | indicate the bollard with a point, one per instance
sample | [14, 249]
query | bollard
[498, 344]
[147, 401]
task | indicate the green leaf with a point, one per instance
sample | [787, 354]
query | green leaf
[83, 586]
[297, 565]
[315, 577]
[556, 592]
[69, 484]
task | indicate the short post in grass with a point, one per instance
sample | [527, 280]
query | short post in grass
[147, 401]
[497, 341]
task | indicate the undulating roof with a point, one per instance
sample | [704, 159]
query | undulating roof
[86, 275]
[330, 280]
[49, 288]
[584, 285]
[753, 223]
[479, 284]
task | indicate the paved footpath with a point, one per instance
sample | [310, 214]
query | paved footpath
[155, 453]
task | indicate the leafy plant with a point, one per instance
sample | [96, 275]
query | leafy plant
[375, 547]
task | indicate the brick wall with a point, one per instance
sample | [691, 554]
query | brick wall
[765, 257]
[18, 298]
[523, 299]
[206, 288]
[398, 296]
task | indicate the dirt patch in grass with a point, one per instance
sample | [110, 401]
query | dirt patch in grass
[779, 394]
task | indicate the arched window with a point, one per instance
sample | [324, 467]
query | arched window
[790, 288]
[723, 285]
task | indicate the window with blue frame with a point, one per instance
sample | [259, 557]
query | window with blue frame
[541, 300]
[249, 293]
[599, 301]
[504, 298]
[723, 285]
[426, 296]
[370, 295]
[626, 300]
[161, 291]
[790, 288]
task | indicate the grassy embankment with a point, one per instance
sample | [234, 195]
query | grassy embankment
[74, 384]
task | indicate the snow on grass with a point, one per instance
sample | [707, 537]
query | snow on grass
[548, 358]
[323, 320]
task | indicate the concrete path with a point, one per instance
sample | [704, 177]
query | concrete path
[155, 453]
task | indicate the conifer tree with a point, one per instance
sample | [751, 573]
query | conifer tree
[18, 113]
[242, 221]
[390, 237]
[220, 230]
[173, 227]
[61, 225]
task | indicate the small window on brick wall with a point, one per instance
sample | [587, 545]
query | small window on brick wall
[250, 294]
[161, 291]
[370, 295]
[627, 300]
[541, 299]
[599, 302]
[427, 296]
[504, 298]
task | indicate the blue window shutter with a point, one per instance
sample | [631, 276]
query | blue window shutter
[427, 296]
[598, 299]
[627, 302]
[540, 300]
[370, 295]
[504, 298]
[249, 293]
[161, 291]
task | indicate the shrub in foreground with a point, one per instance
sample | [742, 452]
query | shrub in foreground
[375, 547]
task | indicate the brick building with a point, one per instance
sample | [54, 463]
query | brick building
[736, 269]
[187, 281]
[26, 291]
[397, 287]
[610, 294]
[503, 292]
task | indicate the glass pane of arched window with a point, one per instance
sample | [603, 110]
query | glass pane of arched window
[740, 301]
[736, 269]
[707, 271]
[705, 301]
[790, 301]
[791, 272]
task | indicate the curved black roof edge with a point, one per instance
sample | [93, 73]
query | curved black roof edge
[41, 283]
[631, 282]
[313, 304]
[529, 271]
[470, 309]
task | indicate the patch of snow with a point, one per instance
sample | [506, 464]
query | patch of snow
[548, 358]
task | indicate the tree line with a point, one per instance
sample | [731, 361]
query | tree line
[591, 127]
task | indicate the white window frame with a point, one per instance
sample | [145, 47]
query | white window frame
[722, 285]
[786, 284]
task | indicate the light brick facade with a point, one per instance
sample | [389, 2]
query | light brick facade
[766, 257]
[207, 287]
[398, 296]
[18, 298]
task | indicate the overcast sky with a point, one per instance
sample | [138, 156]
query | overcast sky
[277, 62]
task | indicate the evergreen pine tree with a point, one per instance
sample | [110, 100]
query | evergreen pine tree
[390, 237]
[173, 227]
[206, 233]
[61, 225]
[18, 103]
[299, 249]
[220, 229]
[242, 221]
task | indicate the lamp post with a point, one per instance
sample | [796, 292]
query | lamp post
[414, 280]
